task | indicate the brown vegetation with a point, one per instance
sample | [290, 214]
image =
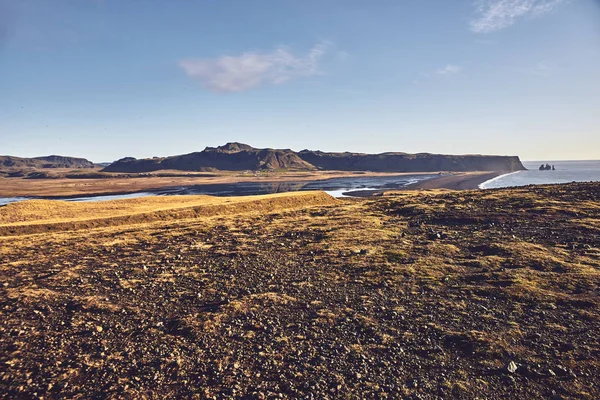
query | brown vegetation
[37, 216]
[488, 294]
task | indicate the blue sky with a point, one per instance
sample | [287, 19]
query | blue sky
[105, 79]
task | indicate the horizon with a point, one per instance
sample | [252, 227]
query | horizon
[104, 79]
[294, 150]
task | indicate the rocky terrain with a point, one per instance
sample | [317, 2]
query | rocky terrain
[238, 156]
[418, 295]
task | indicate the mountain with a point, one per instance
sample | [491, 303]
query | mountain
[403, 162]
[230, 157]
[44, 162]
[240, 157]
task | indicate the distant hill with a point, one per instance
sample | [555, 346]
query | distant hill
[403, 162]
[240, 157]
[44, 162]
[230, 157]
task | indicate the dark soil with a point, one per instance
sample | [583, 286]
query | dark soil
[484, 294]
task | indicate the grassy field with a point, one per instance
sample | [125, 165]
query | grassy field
[35, 216]
[421, 294]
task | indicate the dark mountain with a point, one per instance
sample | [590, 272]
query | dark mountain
[231, 157]
[240, 157]
[44, 162]
[403, 162]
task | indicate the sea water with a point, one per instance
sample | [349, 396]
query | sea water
[566, 171]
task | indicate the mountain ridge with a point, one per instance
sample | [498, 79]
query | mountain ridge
[232, 156]
[235, 156]
[45, 162]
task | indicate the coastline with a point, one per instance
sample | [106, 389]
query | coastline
[456, 181]
[65, 187]
[73, 188]
[481, 185]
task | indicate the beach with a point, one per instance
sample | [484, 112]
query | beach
[113, 185]
[456, 181]
[64, 188]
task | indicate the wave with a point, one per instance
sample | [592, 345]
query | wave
[485, 184]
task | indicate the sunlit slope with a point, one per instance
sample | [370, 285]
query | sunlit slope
[36, 216]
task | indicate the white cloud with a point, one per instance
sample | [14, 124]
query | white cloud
[253, 69]
[494, 15]
[449, 70]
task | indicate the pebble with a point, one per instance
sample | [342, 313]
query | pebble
[511, 367]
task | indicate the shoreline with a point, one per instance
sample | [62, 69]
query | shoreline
[455, 181]
[64, 187]
[480, 186]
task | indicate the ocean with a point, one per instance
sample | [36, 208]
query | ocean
[566, 171]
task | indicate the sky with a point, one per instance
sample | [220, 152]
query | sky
[106, 79]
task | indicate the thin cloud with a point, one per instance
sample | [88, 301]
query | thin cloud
[342, 55]
[250, 70]
[449, 70]
[494, 15]
[542, 69]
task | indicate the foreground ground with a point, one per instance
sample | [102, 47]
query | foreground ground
[473, 294]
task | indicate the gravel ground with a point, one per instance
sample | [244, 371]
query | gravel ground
[473, 294]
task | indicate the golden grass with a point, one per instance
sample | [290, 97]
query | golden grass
[36, 216]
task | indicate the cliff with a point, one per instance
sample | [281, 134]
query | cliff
[240, 157]
[402, 162]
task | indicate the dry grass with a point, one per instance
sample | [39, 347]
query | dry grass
[36, 216]
[301, 293]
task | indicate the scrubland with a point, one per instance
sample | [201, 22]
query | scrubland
[420, 294]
